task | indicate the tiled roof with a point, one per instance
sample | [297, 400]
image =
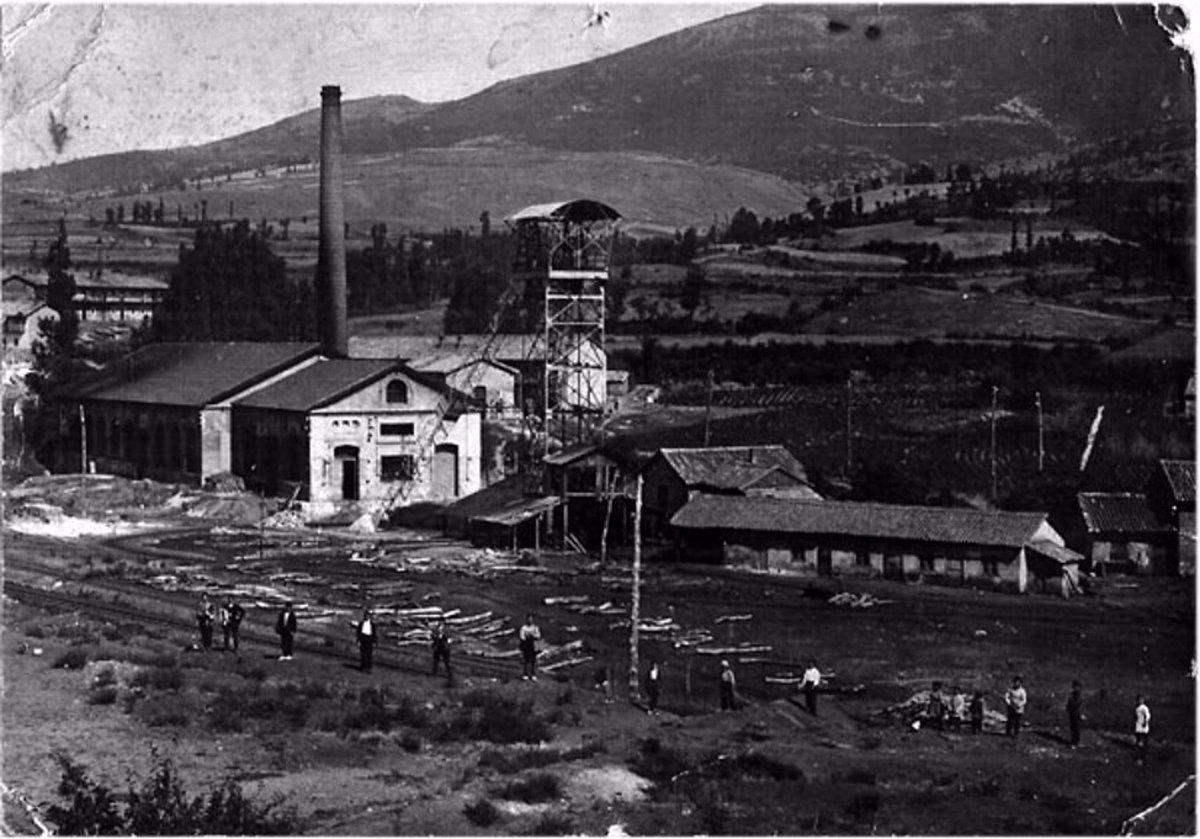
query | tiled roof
[852, 518]
[107, 280]
[189, 374]
[448, 362]
[1181, 475]
[731, 467]
[1058, 553]
[323, 383]
[1117, 512]
[506, 348]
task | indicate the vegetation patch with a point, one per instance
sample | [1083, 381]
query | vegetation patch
[482, 813]
[533, 789]
[160, 806]
[494, 718]
[512, 761]
[551, 824]
[75, 658]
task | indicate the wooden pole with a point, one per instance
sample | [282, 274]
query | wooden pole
[995, 392]
[1041, 434]
[708, 409]
[612, 486]
[636, 605]
[83, 452]
[849, 434]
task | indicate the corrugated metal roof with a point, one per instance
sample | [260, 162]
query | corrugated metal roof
[189, 374]
[319, 384]
[851, 518]
[579, 210]
[1181, 476]
[731, 467]
[1118, 512]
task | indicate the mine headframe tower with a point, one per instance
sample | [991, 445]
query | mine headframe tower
[566, 249]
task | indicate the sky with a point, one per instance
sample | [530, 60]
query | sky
[100, 78]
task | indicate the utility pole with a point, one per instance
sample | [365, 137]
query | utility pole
[849, 434]
[995, 392]
[83, 452]
[635, 608]
[1041, 433]
[708, 408]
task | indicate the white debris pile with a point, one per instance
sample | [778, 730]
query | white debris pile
[35, 519]
[857, 601]
[284, 520]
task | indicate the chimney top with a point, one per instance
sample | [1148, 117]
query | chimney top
[330, 91]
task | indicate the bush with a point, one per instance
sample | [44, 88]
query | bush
[863, 806]
[73, 659]
[482, 813]
[35, 631]
[162, 711]
[660, 763]
[103, 696]
[159, 678]
[551, 824]
[160, 807]
[230, 707]
[534, 789]
[497, 719]
[381, 710]
[754, 765]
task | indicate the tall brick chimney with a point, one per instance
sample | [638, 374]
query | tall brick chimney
[331, 256]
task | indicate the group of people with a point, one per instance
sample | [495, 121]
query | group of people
[229, 616]
[951, 710]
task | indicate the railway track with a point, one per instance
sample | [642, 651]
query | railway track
[309, 642]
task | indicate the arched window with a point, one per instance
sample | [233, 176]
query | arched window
[397, 392]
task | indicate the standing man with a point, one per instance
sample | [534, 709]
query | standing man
[1075, 711]
[810, 683]
[204, 620]
[1015, 700]
[1141, 723]
[978, 706]
[440, 641]
[367, 638]
[236, 614]
[728, 688]
[652, 685]
[958, 708]
[528, 639]
[285, 628]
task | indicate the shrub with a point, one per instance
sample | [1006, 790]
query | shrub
[35, 631]
[159, 678]
[754, 765]
[161, 807]
[162, 711]
[534, 789]
[378, 709]
[410, 742]
[497, 719]
[105, 676]
[551, 824]
[73, 659]
[482, 813]
[863, 806]
[103, 696]
[660, 763]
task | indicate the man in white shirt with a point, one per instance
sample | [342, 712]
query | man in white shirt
[366, 641]
[1141, 723]
[812, 680]
[1015, 700]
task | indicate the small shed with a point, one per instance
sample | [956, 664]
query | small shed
[1123, 534]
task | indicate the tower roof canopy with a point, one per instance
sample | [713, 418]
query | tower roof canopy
[580, 210]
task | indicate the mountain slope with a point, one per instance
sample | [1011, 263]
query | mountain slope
[808, 93]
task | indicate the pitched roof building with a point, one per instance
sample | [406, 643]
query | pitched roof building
[805, 536]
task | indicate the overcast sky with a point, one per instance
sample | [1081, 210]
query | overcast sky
[118, 77]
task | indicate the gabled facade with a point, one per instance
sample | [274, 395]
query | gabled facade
[103, 296]
[1123, 534]
[22, 324]
[492, 385]
[150, 414]
[357, 431]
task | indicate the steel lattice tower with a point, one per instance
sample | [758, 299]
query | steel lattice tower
[567, 248]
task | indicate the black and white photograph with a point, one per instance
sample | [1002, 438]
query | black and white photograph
[598, 419]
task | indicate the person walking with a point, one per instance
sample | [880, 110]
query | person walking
[1075, 712]
[440, 643]
[809, 684]
[1141, 723]
[978, 706]
[528, 638]
[367, 638]
[1015, 700]
[728, 688]
[652, 686]
[204, 620]
[285, 628]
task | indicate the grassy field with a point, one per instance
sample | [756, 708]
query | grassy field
[966, 238]
[396, 753]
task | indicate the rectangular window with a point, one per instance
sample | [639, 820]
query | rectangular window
[927, 564]
[991, 568]
[396, 429]
[396, 467]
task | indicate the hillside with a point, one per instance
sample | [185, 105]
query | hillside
[807, 93]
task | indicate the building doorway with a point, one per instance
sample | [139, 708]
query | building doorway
[445, 471]
[346, 458]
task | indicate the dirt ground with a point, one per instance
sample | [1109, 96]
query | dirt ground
[768, 767]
